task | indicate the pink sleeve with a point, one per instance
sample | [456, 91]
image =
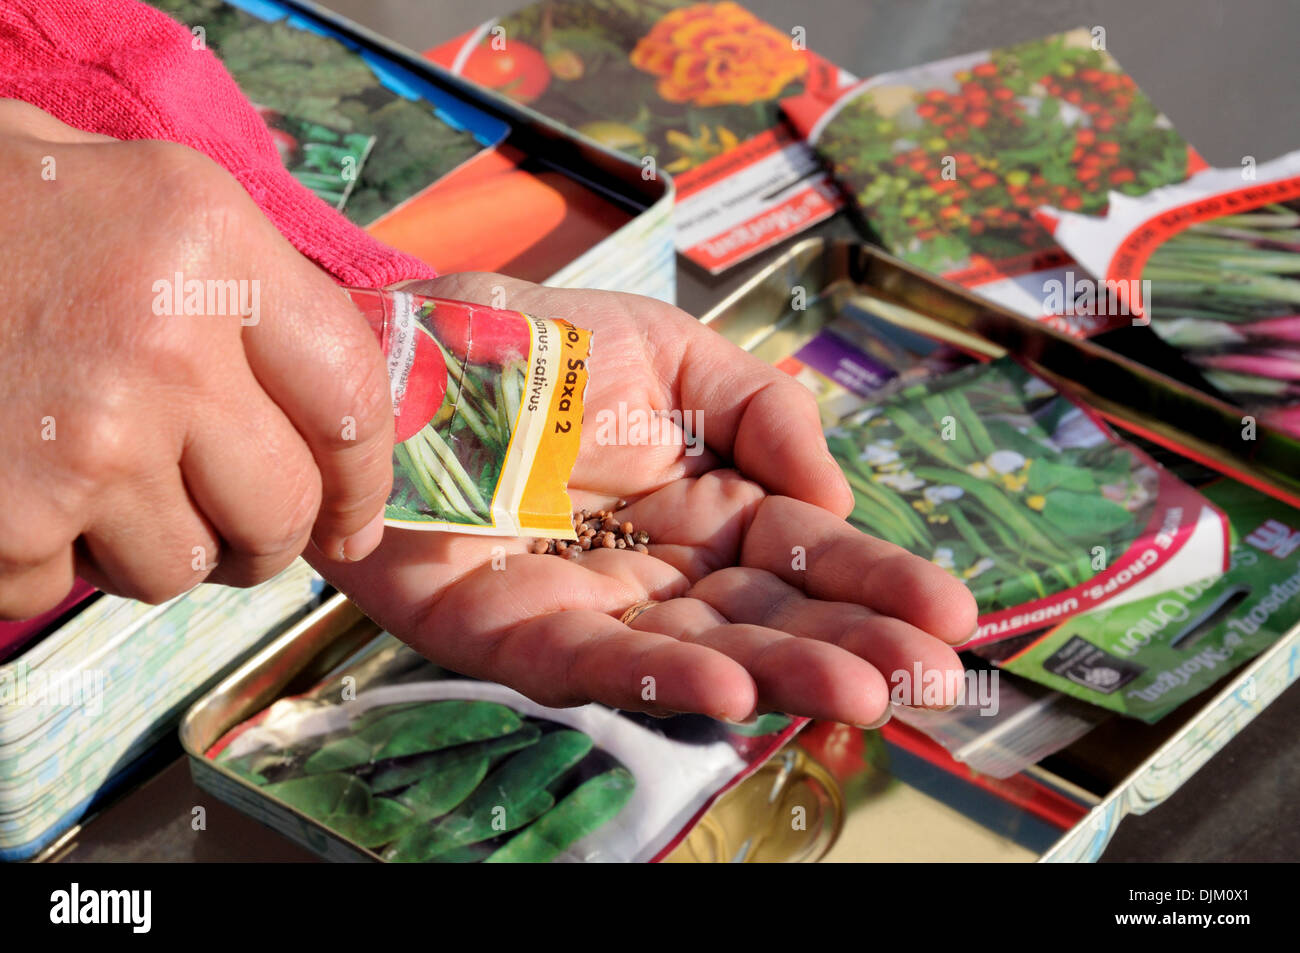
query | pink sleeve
[122, 69]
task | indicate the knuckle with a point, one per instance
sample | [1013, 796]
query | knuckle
[242, 571]
[366, 396]
[287, 528]
[162, 584]
[102, 445]
[173, 164]
[346, 509]
[216, 206]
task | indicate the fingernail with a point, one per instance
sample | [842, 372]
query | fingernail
[364, 542]
[969, 639]
[745, 723]
[881, 722]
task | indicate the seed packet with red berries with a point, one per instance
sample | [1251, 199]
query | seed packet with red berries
[947, 162]
[488, 408]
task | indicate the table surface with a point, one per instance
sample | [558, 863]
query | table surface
[1224, 74]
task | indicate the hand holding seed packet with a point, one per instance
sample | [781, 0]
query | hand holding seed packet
[720, 460]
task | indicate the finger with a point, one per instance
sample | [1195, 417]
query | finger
[30, 590]
[254, 479]
[568, 658]
[147, 542]
[772, 424]
[794, 675]
[900, 651]
[829, 559]
[318, 359]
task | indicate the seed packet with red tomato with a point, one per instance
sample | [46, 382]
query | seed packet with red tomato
[487, 405]
[947, 162]
[685, 87]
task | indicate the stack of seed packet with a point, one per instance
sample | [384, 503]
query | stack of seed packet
[1107, 569]
[82, 703]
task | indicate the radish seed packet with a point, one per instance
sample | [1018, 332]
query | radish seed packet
[487, 408]
[1213, 266]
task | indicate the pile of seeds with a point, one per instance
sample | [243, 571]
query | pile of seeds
[601, 529]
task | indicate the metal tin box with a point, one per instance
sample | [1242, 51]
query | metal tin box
[1123, 767]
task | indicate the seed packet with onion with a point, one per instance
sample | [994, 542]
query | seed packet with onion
[1145, 658]
[1213, 265]
[1024, 495]
[488, 406]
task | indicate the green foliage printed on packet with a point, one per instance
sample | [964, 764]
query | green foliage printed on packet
[997, 478]
[448, 782]
[317, 79]
[1145, 658]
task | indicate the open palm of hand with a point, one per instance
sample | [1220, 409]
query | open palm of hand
[764, 598]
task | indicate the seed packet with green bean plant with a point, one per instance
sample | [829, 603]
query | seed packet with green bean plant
[408, 763]
[1024, 495]
[1213, 265]
[488, 410]
[1145, 658]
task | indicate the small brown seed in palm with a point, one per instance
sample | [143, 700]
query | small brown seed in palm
[641, 548]
[642, 536]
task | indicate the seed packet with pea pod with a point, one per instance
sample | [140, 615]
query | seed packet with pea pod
[1213, 266]
[947, 162]
[409, 763]
[488, 410]
[1025, 495]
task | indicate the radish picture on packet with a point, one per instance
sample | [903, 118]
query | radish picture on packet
[487, 408]
[1212, 265]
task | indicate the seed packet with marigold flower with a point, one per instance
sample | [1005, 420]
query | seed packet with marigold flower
[689, 88]
[1025, 496]
[947, 162]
